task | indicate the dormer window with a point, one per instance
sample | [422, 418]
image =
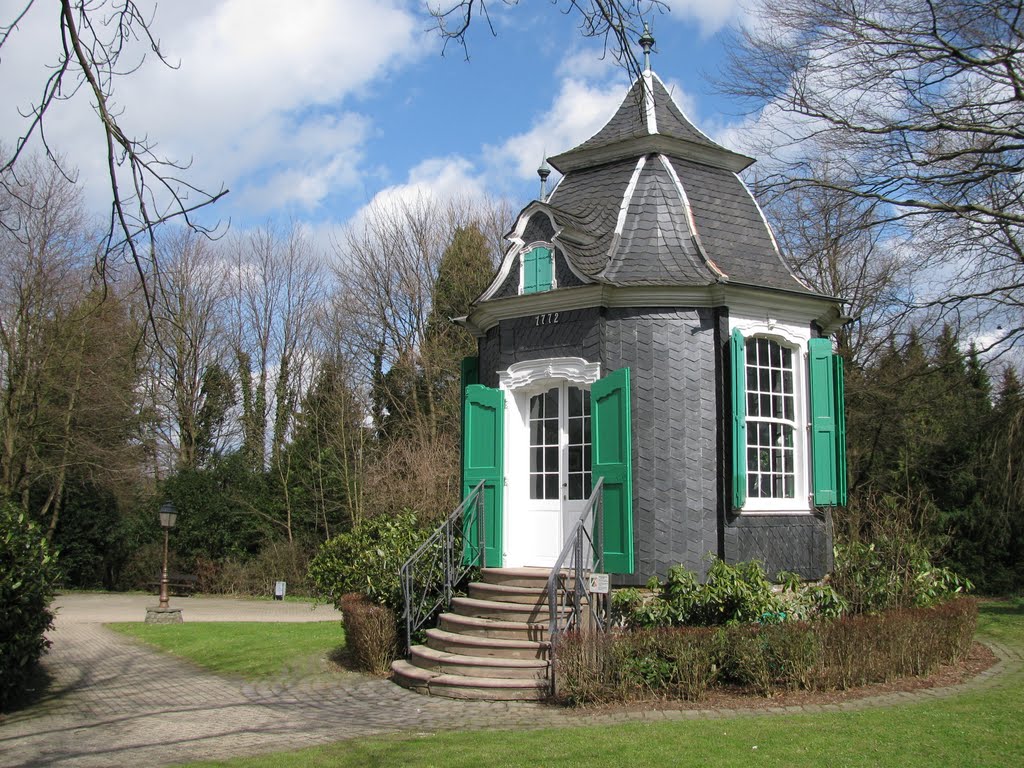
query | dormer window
[538, 272]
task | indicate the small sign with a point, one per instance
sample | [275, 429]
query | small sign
[279, 589]
[597, 583]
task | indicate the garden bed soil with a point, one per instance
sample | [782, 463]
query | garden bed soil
[978, 660]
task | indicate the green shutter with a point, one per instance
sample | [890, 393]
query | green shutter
[840, 393]
[483, 443]
[544, 263]
[827, 459]
[739, 420]
[612, 456]
[537, 270]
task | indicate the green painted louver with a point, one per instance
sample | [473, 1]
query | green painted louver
[537, 270]
[828, 439]
[739, 420]
[840, 392]
[483, 442]
[612, 454]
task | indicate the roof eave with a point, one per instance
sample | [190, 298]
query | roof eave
[637, 146]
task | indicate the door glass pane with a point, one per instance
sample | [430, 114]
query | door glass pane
[550, 486]
[578, 449]
[544, 445]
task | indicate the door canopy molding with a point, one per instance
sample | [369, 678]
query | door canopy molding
[530, 373]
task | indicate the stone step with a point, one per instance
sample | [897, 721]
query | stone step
[506, 630]
[508, 593]
[493, 609]
[443, 662]
[498, 647]
[516, 577]
[465, 687]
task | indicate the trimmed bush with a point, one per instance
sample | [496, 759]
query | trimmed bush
[28, 576]
[597, 667]
[371, 633]
[367, 559]
[827, 654]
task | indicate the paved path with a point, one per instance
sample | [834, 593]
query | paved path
[114, 702]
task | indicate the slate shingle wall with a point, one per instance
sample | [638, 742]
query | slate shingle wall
[671, 355]
[798, 543]
[681, 461]
[576, 334]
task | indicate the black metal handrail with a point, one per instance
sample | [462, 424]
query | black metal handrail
[431, 574]
[581, 555]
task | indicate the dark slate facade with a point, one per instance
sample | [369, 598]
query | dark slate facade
[652, 204]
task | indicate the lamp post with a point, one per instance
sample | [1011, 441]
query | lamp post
[163, 614]
[168, 517]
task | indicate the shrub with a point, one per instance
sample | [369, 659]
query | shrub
[28, 575]
[891, 572]
[371, 633]
[367, 559]
[729, 594]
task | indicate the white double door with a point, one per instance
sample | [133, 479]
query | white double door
[550, 479]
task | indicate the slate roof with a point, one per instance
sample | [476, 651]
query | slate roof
[650, 200]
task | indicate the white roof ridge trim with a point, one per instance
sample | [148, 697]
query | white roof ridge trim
[652, 118]
[771, 234]
[686, 117]
[690, 221]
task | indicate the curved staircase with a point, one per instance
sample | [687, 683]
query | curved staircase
[492, 644]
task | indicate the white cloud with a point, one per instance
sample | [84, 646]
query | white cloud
[578, 111]
[711, 15]
[258, 85]
[434, 181]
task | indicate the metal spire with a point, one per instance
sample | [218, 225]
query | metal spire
[544, 171]
[646, 42]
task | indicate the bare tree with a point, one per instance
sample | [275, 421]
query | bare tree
[189, 353]
[838, 245]
[278, 291]
[618, 24]
[145, 187]
[43, 263]
[387, 271]
[67, 353]
[918, 107]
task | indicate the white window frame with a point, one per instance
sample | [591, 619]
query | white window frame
[794, 336]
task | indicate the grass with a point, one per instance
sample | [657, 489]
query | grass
[248, 649]
[982, 728]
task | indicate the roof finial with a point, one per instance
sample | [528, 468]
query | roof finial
[544, 171]
[646, 42]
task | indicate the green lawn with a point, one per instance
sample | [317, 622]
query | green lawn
[248, 649]
[984, 728]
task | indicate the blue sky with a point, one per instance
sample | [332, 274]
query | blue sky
[309, 110]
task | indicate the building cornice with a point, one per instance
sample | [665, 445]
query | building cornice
[792, 306]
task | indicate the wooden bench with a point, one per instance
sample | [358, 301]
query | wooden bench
[180, 584]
